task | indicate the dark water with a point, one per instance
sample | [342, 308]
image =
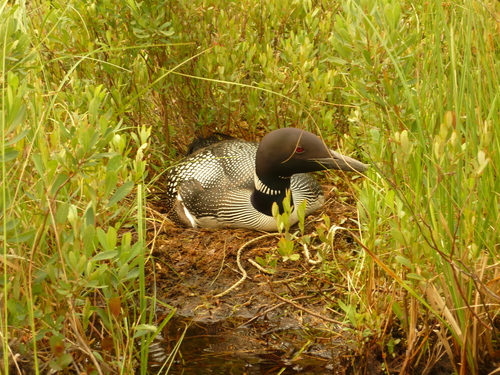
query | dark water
[229, 347]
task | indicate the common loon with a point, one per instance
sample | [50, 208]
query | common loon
[234, 183]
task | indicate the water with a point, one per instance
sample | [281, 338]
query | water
[229, 347]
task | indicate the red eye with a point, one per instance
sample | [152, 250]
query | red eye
[299, 149]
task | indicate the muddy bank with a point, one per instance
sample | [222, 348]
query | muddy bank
[285, 320]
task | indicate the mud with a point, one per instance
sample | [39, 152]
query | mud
[283, 322]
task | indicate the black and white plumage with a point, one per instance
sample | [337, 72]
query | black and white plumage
[234, 183]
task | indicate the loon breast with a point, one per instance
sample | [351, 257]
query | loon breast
[220, 185]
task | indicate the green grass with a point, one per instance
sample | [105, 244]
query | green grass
[433, 202]
[96, 99]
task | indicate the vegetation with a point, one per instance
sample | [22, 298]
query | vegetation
[97, 97]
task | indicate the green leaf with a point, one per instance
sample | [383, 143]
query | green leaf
[37, 161]
[110, 182]
[88, 240]
[62, 213]
[404, 261]
[21, 112]
[98, 356]
[65, 360]
[105, 255]
[144, 329]
[415, 276]
[111, 238]
[23, 237]
[367, 56]
[55, 366]
[11, 224]
[114, 163]
[133, 274]
[301, 215]
[17, 138]
[9, 154]
[121, 193]
[60, 180]
[261, 261]
[101, 236]
[89, 215]
[397, 309]
[350, 312]
[123, 271]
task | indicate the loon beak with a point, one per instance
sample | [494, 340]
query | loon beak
[342, 162]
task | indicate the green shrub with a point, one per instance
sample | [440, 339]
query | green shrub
[91, 91]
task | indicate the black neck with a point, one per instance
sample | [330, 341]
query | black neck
[268, 192]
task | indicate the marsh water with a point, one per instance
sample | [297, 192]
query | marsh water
[233, 347]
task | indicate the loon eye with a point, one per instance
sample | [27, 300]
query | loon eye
[299, 149]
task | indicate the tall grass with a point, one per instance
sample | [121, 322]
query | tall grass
[69, 165]
[431, 205]
[87, 88]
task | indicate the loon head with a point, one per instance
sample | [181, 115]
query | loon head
[288, 151]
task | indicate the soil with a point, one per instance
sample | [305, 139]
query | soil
[285, 322]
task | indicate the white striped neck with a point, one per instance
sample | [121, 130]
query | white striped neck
[269, 192]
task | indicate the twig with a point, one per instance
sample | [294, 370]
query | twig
[308, 311]
[271, 309]
[238, 262]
